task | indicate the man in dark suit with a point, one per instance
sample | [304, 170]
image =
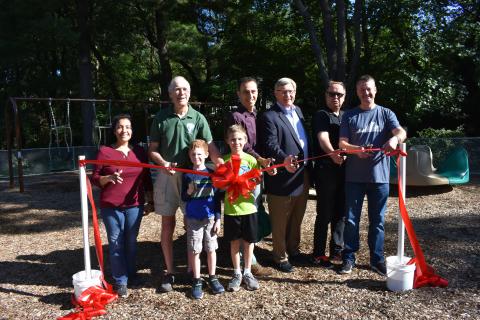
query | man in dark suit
[284, 138]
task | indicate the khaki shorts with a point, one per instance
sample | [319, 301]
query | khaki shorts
[200, 235]
[167, 193]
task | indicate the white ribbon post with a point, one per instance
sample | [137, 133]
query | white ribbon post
[84, 202]
[401, 226]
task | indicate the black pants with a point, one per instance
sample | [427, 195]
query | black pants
[330, 187]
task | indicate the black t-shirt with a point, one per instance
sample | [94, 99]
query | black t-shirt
[326, 120]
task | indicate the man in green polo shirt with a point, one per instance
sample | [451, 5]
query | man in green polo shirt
[172, 131]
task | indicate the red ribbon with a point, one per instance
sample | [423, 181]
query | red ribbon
[425, 275]
[225, 177]
[124, 163]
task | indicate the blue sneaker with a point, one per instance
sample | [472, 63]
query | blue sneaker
[197, 292]
[215, 285]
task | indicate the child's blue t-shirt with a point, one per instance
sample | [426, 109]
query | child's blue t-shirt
[203, 202]
[365, 127]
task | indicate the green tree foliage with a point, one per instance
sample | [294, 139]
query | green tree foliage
[37, 48]
[416, 57]
[423, 53]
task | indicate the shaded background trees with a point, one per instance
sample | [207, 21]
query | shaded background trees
[424, 54]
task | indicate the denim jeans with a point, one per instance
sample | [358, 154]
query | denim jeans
[377, 195]
[122, 226]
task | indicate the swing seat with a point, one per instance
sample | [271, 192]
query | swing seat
[421, 172]
[455, 167]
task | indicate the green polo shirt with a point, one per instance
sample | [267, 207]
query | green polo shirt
[174, 134]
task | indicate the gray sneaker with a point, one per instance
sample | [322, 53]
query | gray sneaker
[167, 282]
[347, 267]
[121, 290]
[234, 284]
[250, 282]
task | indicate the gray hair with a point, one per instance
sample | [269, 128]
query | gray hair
[285, 81]
[173, 83]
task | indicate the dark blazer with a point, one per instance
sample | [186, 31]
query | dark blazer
[278, 140]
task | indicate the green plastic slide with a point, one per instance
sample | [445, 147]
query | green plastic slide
[455, 167]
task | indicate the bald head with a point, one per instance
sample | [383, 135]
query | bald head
[179, 91]
[178, 80]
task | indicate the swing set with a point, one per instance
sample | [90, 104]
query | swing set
[61, 149]
[62, 152]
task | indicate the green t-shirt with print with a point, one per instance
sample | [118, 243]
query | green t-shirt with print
[174, 134]
[242, 206]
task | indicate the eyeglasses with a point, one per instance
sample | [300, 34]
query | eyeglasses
[335, 94]
[286, 92]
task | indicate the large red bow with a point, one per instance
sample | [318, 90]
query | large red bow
[91, 303]
[226, 177]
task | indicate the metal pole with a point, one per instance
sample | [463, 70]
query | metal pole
[83, 197]
[9, 136]
[18, 135]
[401, 225]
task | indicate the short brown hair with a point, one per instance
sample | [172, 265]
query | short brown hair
[245, 80]
[199, 143]
[365, 78]
[234, 129]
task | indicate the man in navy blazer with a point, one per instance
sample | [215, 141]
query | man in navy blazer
[283, 136]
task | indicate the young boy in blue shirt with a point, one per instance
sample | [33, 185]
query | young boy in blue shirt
[202, 219]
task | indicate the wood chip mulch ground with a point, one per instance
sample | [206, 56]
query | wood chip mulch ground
[41, 248]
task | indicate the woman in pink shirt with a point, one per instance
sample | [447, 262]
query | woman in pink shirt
[126, 192]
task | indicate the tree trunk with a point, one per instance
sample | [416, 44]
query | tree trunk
[307, 20]
[365, 40]
[85, 70]
[165, 68]
[349, 41]
[357, 32]
[330, 42]
[341, 18]
[108, 71]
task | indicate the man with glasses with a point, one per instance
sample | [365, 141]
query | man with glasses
[284, 138]
[367, 173]
[329, 175]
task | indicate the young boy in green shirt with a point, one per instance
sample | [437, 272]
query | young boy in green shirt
[240, 220]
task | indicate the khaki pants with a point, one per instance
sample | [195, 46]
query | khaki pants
[167, 192]
[286, 215]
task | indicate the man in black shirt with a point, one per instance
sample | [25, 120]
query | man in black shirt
[329, 175]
